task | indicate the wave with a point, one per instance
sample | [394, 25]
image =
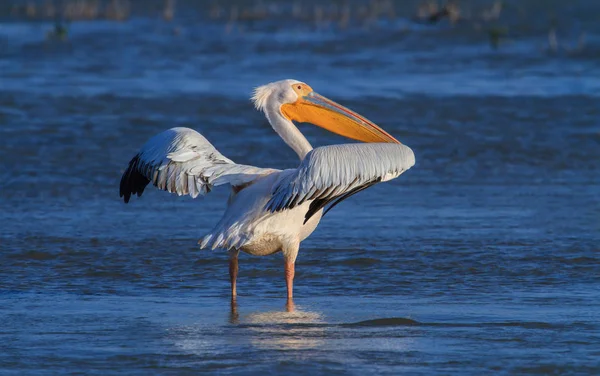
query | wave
[392, 321]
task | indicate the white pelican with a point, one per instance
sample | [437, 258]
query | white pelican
[272, 210]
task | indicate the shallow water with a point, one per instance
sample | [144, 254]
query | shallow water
[483, 257]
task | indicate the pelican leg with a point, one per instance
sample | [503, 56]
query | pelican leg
[290, 306]
[233, 271]
[290, 252]
[234, 316]
[289, 278]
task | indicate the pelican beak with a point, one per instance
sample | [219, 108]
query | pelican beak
[325, 113]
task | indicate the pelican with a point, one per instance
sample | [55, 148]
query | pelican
[272, 210]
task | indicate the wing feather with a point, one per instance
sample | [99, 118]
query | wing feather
[182, 161]
[330, 174]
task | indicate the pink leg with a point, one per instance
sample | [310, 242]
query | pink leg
[233, 272]
[234, 316]
[289, 305]
[289, 278]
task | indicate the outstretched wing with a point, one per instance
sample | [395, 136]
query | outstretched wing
[330, 174]
[182, 161]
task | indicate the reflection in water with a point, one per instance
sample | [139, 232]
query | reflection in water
[234, 316]
[292, 329]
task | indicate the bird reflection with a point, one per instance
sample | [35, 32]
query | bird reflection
[292, 328]
[234, 315]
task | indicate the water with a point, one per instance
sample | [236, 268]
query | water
[484, 257]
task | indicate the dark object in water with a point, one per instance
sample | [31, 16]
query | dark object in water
[496, 34]
[59, 32]
[437, 16]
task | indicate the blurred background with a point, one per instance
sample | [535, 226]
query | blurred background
[389, 48]
[486, 252]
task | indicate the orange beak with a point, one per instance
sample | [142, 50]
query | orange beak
[325, 113]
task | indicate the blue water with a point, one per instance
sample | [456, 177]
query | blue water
[482, 258]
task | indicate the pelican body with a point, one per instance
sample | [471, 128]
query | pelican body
[272, 210]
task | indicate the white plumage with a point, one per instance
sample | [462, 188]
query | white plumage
[182, 161]
[270, 210]
[330, 172]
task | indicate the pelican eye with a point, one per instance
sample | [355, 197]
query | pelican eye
[299, 87]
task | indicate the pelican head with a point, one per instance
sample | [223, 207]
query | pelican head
[297, 101]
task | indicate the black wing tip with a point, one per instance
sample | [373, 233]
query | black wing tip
[132, 181]
[314, 207]
[319, 204]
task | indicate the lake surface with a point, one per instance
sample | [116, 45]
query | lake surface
[484, 257]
